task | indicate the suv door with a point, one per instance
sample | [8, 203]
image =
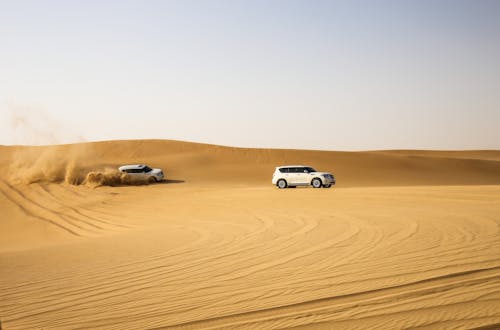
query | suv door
[283, 173]
[291, 176]
[135, 171]
[298, 175]
[302, 176]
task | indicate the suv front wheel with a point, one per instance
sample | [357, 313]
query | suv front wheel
[316, 183]
[281, 184]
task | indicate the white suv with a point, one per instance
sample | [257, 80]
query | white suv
[152, 174]
[298, 175]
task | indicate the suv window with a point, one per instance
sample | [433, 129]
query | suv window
[296, 170]
[284, 170]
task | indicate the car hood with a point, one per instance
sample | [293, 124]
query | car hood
[156, 171]
[321, 173]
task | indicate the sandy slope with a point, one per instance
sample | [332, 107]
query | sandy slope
[407, 239]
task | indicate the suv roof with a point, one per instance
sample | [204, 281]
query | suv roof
[130, 167]
[287, 166]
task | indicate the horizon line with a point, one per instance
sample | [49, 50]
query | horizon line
[242, 147]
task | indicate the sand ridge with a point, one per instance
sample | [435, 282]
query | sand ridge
[203, 163]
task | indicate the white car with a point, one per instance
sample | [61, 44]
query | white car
[152, 174]
[299, 175]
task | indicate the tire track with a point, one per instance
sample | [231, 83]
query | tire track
[17, 199]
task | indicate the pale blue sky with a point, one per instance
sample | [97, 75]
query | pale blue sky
[344, 75]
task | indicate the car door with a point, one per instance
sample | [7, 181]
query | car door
[285, 174]
[137, 172]
[291, 176]
[295, 175]
[130, 171]
[302, 176]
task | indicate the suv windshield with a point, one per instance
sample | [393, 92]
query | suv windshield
[147, 169]
[310, 169]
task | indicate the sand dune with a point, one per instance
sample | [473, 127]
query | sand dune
[406, 239]
[202, 163]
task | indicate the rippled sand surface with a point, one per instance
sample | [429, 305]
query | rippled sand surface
[214, 248]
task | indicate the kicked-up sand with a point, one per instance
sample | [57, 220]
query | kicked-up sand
[406, 239]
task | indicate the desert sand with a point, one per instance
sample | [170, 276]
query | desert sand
[406, 239]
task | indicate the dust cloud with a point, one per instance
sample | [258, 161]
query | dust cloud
[68, 164]
[75, 164]
[33, 124]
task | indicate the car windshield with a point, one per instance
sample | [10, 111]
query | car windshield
[147, 169]
[310, 169]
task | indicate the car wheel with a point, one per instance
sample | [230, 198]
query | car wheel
[316, 183]
[151, 179]
[327, 186]
[281, 184]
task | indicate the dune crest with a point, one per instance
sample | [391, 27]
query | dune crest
[204, 163]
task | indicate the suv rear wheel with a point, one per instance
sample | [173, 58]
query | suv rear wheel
[281, 184]
[316, 183]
